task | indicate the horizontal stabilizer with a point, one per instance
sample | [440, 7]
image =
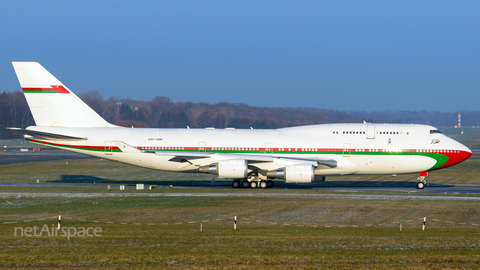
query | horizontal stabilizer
[47, 135]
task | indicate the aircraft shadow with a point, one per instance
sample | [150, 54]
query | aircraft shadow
[88, 179]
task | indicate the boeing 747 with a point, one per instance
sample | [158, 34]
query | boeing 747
[251, 158]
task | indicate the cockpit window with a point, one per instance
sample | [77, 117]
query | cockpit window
[435, 131]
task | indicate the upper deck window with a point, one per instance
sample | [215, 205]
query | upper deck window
[435, 131]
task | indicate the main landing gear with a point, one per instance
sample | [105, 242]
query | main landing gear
[253, 184]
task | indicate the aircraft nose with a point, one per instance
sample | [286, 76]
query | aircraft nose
[465, 149]
[458, 154]
[462, 154]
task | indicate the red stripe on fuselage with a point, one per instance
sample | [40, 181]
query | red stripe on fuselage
[78, 147]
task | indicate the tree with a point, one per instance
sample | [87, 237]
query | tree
[181, 120]
[126, 112]
[242, 122]
[166, 120]
[131, 123]
[259, 124]
[210, 118]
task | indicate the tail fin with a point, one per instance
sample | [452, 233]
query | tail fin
[51, 102]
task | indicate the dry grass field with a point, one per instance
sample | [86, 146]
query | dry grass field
[281, 232]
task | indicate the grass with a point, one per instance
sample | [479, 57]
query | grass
[218, 246]
[257, 243]
[291, 209]
[256, 247]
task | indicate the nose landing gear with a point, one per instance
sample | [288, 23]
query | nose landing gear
[421, 182]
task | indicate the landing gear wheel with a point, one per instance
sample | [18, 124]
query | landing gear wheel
[236, 184]
[253, 184]
[263, 184]
[420, 185]
[269, 184]
[245, 184]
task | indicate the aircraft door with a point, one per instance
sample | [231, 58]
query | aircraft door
[346, 149]
[202, 146]
[370, 132]
[268, 148]
[108, 147]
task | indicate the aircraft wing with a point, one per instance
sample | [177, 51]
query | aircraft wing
[268, 162]
[196, 155]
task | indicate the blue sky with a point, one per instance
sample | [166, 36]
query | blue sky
[345, 55]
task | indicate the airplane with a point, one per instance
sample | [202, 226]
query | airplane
[252, 158]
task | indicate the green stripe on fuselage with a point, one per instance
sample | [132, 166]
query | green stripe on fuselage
[79, 148]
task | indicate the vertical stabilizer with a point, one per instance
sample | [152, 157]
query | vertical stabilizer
[52, 103]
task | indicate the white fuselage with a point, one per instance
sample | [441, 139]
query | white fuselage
[353, 148]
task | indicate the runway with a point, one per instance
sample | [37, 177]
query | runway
[333, 190]
[436, 190]
[229, 195]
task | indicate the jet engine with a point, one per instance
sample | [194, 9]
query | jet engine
[229, 168]
[300, 173]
